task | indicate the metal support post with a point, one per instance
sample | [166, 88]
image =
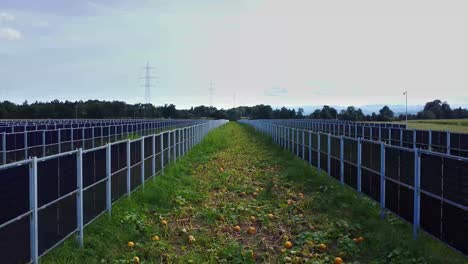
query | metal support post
[83, 142]
[33, 221]
[181, 143]
[109, 179]
[329, 154]
[359, 164]
[153, 157]
[26, 144]
[142, 151]
[92, 136]
[297, 142]
[448, 142]
[43, 143]
[417, 192]
[310, 147]
[175, 145]
[401, 137]
[303, 145]
[342, 160]
[382, 180]
[4, 148]
[59, 140]
[390, 136]
[79, 197]
[128, 168]
[429, 147]
[318, 151]
[162, 153]
[169, 147]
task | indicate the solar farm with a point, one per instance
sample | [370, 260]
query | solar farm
[59, 176]
[233, 132]
[418, 175]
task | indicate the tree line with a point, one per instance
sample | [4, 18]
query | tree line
[95, 109]
[432, 110]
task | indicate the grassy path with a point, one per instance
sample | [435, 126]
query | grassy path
[236, 198]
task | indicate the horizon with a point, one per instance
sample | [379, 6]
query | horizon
[307, 109]
[305, 53]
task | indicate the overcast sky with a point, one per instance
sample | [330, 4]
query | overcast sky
[274, 52]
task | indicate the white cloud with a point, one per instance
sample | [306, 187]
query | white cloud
[6, 17]
[9, 34]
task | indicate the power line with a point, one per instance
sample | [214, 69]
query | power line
[148, 78]
[211, 90]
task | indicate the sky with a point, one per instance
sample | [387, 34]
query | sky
[291, 53]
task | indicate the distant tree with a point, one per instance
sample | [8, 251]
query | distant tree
[220, 114]
[262, 112]
[434, 107]
[328, 112]
[300, 113]
[233, 114]
[169, 111]
[315, 114]
[284, 113]
[351, 114]
[117, 109]
[436, 110]
[385, 114]
[201, 111]
[426, 115]
[460, 113]
[446, 111]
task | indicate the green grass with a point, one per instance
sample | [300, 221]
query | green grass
[458, 122]
[452, 125]
[236, 174]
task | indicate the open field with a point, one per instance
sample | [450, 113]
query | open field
[237, 177]
[452, 125]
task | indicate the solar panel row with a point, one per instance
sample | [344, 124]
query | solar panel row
[426, 188]
[107, 174]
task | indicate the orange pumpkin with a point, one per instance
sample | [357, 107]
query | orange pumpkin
[322, 247]
[338, 260]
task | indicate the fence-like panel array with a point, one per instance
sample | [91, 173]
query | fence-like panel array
[18, 142]
[427, 189]
[46, 200]
[21, 125]
[455, 144]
